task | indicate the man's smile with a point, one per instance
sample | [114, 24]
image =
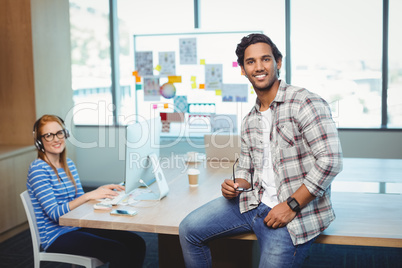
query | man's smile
[260, 76]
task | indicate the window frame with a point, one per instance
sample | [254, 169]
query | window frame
[115, 85]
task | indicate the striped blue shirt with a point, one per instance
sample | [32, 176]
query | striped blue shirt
[50, 197]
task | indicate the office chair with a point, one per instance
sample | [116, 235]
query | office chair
[47, 256]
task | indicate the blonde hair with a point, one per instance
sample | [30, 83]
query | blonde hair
[63, 155]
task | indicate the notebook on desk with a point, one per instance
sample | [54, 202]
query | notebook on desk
[222, 147]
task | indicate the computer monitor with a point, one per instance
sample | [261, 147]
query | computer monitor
[142, 141]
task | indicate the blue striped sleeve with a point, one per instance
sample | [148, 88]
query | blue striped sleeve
[48, 190]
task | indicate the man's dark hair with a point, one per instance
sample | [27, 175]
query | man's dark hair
[253, 39]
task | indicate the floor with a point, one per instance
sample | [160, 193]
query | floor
[16, 252]
[364, 176]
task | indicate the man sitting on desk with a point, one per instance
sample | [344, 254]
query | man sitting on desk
[290, 154]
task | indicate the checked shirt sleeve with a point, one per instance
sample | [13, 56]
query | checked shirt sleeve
[320, 132]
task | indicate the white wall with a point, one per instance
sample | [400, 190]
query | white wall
[371, 143]
[52, 60]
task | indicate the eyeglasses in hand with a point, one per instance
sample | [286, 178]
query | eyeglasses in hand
[50, 136]
[234, 180]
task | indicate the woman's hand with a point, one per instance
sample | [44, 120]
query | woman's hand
[105, 191]
[116, 187]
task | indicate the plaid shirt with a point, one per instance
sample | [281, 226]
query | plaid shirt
[305, 150]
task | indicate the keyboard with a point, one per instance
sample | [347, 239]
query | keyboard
[115, 200]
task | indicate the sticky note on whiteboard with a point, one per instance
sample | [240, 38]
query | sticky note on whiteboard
[174, 79]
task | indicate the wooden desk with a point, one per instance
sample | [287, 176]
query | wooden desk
[362, 219]
[163, 216]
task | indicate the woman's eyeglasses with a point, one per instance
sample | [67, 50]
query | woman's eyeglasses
[234, 180]
[50, 136]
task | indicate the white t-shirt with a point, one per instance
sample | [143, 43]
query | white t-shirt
[269, 196]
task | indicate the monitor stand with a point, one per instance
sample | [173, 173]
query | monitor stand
[160, 180]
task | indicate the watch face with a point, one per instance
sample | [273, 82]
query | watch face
[293, 203]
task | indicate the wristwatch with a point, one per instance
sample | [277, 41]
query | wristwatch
[293, 204]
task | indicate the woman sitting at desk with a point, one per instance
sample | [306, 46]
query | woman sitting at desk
[55, 189]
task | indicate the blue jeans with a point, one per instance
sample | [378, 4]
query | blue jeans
[220, 218]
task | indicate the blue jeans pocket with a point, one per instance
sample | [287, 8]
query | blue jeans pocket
[262, 211]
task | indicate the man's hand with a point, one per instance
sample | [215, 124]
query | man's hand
[279, 216]
[282, 214]
[228, 188]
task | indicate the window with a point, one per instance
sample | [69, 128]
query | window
[158, 26]
[90, 55]
[395, 66]
[338, 55]
[259, 15]
[136, 17]
[333, 53]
